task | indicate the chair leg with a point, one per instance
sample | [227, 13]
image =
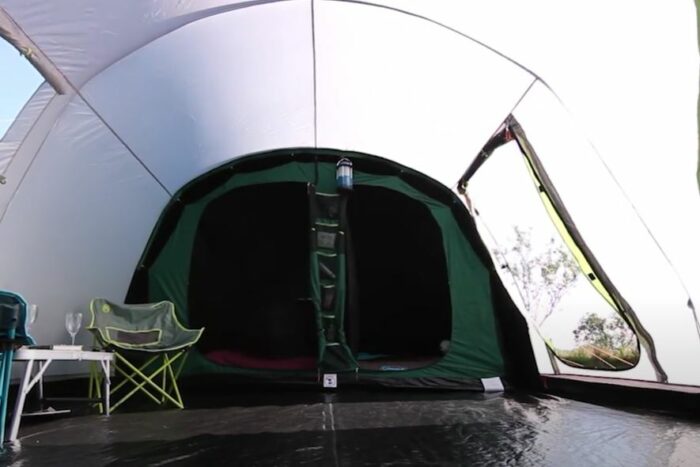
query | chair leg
[129, 378]
[147, 381]
[118, 369]
[173, 380]
[95, 391]
[175, 374]
[164, 382]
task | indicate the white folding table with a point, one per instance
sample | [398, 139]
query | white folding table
[44, 357]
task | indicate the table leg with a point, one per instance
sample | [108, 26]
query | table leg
[19, 404]
[107, 382]
[41, 392]
[5, 376]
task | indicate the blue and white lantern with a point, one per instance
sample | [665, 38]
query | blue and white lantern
[343, 174]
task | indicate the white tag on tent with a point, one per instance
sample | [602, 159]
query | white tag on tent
[330, 380]
[492, 384]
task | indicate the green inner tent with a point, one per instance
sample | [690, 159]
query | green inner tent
[288, 274]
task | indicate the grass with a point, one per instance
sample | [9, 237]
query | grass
[591, 357]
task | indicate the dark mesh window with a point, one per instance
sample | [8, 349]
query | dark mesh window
[133, 337]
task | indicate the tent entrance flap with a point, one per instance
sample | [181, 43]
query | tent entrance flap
[403, 313]
[249, 281]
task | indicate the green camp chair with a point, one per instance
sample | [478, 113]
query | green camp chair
[149, 334]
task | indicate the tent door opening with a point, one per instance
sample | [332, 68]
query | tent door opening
[400, 309]
[249, 279]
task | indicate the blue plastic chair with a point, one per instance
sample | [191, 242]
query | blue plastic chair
[13, 334]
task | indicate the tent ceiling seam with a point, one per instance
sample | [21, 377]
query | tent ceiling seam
[46, 136]
[517, 103]
[21, 111]
[76, 89]
[445, 26]
[31, 128]
[29, 167]
[128, 148]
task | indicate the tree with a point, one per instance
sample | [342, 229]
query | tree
[611, 333]
[543, 278]
[591, 330]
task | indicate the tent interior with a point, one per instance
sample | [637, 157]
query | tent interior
[249, 280]
[403, 310]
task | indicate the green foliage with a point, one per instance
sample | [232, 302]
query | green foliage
[586, 356]
[543, 278]
[608, 333]
[544, 274]
[591, 330]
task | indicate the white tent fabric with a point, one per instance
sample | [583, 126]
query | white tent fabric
[25, 137]
[357, 77]
[76, 227]
[159, 92]
[82, 38]
[15, 135]
[260, 97]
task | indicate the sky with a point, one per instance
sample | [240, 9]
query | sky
[18, 81]
[627, 73]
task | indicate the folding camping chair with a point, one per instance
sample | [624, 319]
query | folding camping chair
[13, 334]
[148, 341]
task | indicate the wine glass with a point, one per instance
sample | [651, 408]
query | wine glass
[73, 321]
[33, 314]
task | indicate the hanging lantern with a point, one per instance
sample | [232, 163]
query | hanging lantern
[343, 174]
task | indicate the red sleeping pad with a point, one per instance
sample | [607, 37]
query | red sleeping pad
[242, 360]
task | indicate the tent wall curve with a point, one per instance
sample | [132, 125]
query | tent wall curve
[291, 276]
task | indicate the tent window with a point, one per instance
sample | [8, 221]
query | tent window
[18, 81]
[576, 320]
